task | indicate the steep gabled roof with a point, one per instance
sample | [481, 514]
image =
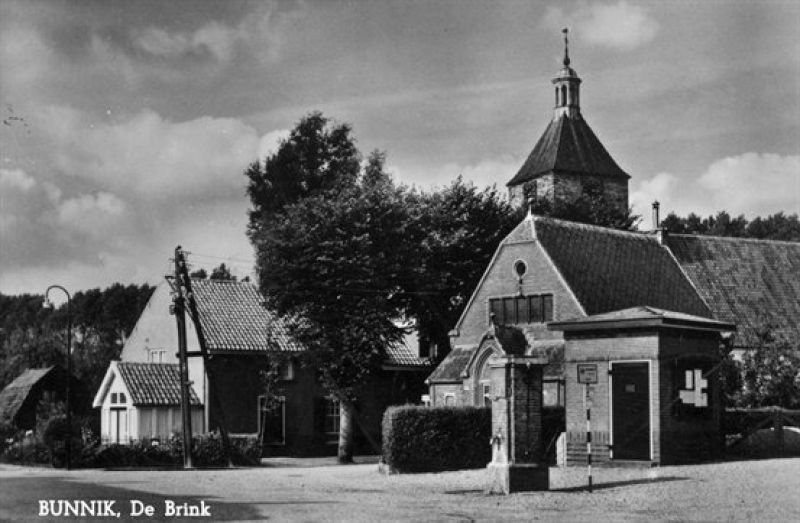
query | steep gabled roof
[609, 270]
[16, 393]
[151, 384]
[451, 367]
[568, 146]
[234, 318]
[753, 283]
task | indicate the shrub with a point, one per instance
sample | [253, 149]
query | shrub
[7, 432]
[424, 439]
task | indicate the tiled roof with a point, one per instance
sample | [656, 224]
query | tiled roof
[752, 283]
[610, 270]
[234, 319]
[568, 145]
[406, 354]
[452, 366]
[13, 396]
[153, 383]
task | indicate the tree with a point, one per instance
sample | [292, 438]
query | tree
[317, 156]
[199, 274]
[336, 262]
[460, 227]
[594, 206]
[222, 273]
[32, 335]
[771, 374]
[774, 227]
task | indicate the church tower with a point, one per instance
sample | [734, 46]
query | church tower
[568, 159]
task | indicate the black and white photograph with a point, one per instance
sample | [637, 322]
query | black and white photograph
[399, 260]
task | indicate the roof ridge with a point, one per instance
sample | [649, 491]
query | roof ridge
[732, 238]
[599, 228]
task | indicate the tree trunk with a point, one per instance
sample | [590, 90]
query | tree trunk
[345, 432]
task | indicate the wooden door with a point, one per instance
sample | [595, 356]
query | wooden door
[630, 390]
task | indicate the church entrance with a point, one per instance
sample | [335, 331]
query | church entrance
[630, 393]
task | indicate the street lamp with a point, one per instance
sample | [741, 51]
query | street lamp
[48, 303]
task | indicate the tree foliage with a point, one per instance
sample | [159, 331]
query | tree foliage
[32, 335]
[593, 206]
[460, 227]
[778, 226]
[770, 375]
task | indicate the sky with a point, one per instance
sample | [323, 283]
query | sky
[127, 125]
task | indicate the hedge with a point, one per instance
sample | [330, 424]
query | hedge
[425, 439]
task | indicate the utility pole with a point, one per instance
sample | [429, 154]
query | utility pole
[184, 280]
[179, 308]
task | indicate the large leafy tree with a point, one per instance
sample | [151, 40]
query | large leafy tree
[461, 227]
[319, 155]
[336, 261]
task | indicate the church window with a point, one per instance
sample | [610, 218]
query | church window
[520, 268]
[556, 96]
[522, 309]
[563, 95]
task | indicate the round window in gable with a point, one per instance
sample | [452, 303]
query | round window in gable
[520, 268]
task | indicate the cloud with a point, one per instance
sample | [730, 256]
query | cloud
[482, 174]
[150, 155]
[259, 33]
[268, 144]
[752, 184]
[16, 178]
[618, 26]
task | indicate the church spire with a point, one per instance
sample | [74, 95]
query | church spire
[567, 86]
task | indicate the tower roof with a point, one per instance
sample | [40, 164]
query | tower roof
[568, 146]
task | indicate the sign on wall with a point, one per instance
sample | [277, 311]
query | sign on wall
[587, 373]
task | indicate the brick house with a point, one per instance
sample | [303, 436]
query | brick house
[665, 300]
[242, 336]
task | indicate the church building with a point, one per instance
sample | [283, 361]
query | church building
[568, 158]
[649, 314]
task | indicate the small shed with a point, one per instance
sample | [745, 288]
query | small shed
[142, 401]
[19, 399]
[650, 378]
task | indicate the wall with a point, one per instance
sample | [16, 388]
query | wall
[157, 329]
[689, 434]
[603, 351]
[540, 278]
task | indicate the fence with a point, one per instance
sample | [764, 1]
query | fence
[739, 424]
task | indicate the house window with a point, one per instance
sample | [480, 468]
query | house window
[553, 393]
[114, 397]
[332, 414]
[122, 398]
[487, 395]
[286, 371]
[273, 416]
[522, 309]
[156, 355]
[449, 400]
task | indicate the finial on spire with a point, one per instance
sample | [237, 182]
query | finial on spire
[566, 46]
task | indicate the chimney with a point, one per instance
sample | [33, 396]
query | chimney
[656, 220]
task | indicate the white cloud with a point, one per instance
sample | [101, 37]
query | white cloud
[151, 156]
[482, 174]
[95, 214]
[16, 178]
[752, 184]
[268, 144]
[619, 26]
[214, 38]
[260, 32]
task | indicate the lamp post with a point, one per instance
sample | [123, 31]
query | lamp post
[69, 364]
